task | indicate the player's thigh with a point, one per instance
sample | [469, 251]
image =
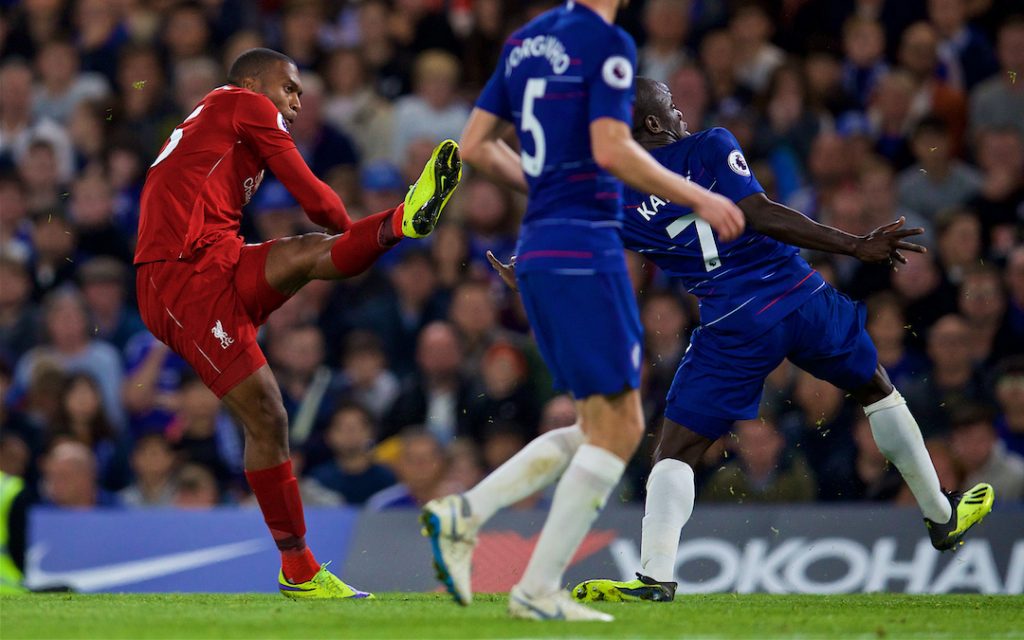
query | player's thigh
[292, 262]
[200, 315]
[587, 329]
[831, 341]
[721, 379]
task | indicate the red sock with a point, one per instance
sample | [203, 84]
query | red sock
[277, 492]
[359, 247]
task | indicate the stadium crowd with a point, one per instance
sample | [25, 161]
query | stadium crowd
[413, 380]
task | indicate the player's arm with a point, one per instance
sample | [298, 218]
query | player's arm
[321, 204]
[260, 125]
[792, 227]
[483, 146]
[616, 152]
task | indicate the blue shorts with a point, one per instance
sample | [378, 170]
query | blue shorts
[722, 377]
[587, 329]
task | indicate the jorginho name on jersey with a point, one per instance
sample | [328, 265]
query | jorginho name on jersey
[556, 75]
[744, 286]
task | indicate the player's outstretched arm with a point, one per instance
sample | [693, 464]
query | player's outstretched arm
[792, 227]
[321, 204]
[616, 152]
[484, 149]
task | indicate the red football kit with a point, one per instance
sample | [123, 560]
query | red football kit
[201, 290]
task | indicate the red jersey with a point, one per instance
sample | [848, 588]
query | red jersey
[207, 171]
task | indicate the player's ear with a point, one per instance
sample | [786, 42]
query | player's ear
[652, 124]
[250, 83]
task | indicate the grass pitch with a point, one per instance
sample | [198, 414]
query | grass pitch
[423, 616]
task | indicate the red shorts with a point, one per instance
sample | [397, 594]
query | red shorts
[207, 309]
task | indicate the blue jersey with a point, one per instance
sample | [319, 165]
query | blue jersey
[745, 286]
[565, 69]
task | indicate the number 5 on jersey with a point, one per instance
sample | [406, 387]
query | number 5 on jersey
[533, 165]
[705, 236]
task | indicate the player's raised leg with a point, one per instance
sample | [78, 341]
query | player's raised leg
[256, 402]
[948, 515]
[292, 262]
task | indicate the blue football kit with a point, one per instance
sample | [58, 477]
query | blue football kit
[556, 75]
[760, 302]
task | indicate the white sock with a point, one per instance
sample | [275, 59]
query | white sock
[534, 467]
[670, 495]
[579, 498]
[899, 439]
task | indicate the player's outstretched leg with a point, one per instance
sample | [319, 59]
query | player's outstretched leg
[947, 515]
[452, 522]
[256, 402]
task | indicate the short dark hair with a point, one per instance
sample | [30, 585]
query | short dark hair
[970, 413]
[646, 102]
[254, 62]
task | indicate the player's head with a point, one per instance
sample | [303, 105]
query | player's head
[271, 73]
[656, 121]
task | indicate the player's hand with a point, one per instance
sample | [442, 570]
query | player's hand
[506, 271]
[887, 242]
[722, 214]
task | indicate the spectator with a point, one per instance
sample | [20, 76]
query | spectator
[482, 47]
[1009, 386]
[202, 434]
[864, 64]
[465, 469]
[873, 478]
[323, 146]
[399, 318]
[308, 386]
[434, 111]
[926, 296]
[354, 106]
[983, 456]
[963, 48]
[367, 380]
[18, 318]
[937, 180]
[186, 33]
[959, 242]
[70, 346]
[891, 117]
[887, 326]
[689, 87]
[153, 464]
[145, 113]
[438, 396]
[352, 472]
[62, 85]
[821, 426]
[666, 23]
[934, 96]
[1000, 154]
[420, 469]
[388, 63]
[69, 478]
[1015, 288]
[666, 334]
[952, 380]
[39, 169]
[718, 57]
[982, 303]
[558, 412]
[15, 227]
[491, 222]
[474, 314]
[100, 36]
[756, 57]
[789, 126]
[103, 282]
[502, 393]
[196, 488]
[153, 377]
[194, 77]
[999, 100]
[82, 417]
[761, 472]
[20, 127]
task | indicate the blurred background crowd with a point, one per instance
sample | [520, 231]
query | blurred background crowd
[418, 377]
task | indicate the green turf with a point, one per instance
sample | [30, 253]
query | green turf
[433, 616]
